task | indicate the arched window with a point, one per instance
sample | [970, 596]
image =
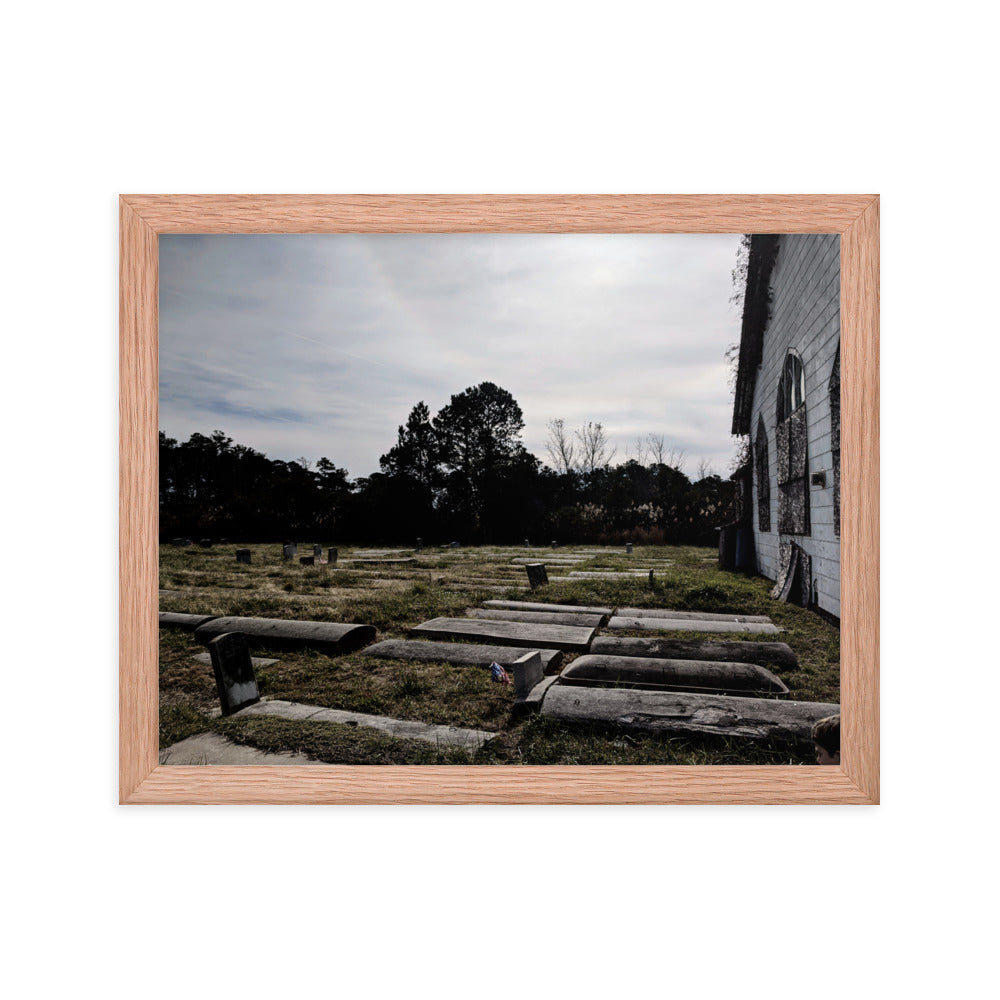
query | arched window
[835, 439]
[791, 440]
[762, 473]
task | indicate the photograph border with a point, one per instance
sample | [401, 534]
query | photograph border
[143, 218]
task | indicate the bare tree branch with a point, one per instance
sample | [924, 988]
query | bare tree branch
[560, 446]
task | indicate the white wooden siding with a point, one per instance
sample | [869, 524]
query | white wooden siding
[805, 317]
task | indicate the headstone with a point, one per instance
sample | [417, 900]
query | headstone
[555, 544]
[628, 548]
[420, 545]
[527, 672]
[332, 558]
[243, 556]
[317, 552]
[527, 544]
[537, 577]
[288, 550]
[181, 542]
[651, 578]
[234, 676]
[307, 560]
[455, 545]
[205, 543]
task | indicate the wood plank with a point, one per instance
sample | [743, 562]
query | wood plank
[687, 625]
[679, 713]
[459, 653]
[767, 654]
[569, 638]
[718, 676]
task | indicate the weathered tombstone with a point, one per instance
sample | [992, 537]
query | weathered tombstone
[332, 558]
[527, 544]
[537, 577]
[181, 542]
[420, 545]
[555, 544]
[317, 552]
[307, 560]
[455, 545]
[527, 673]
[288, 550]
[205, 543]
[628, 548]
[234, 676]
[243, 556]
[651, 578]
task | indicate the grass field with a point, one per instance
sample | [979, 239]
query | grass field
[444, 582]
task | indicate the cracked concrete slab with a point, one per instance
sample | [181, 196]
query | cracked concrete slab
[210, 748]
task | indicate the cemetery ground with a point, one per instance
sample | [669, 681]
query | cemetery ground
[395, 590]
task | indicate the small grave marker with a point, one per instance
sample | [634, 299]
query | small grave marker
[537, 577]
[420, 545]
[317, 552]
[527, 672]
[332, 558]
[243, 556]
[628, 548]
[234, 676]
[288, 550]
[205, 543]
[181, 542]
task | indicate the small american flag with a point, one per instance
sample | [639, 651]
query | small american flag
[499, 674]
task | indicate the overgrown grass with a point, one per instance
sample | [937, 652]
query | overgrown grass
[443, 583]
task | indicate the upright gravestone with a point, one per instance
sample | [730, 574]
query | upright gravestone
[333, 556]
[651, 580]
[205, 543]
[455, 545]
[420, 545]
[317, 552]
[288, 550]
[307, 560]
[527, 544]
[628, 548]
[537, 577]
[243, 556]
[234, 676]
[555, 544]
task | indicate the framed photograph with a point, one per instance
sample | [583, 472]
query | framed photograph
[322, 321]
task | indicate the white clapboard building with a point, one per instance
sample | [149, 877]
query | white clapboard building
[788, 402]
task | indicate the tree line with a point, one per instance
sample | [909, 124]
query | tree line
[462, 474]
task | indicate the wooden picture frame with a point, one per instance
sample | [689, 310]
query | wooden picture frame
[144, 217]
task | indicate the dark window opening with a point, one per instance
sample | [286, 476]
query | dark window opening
[763, 475]
[791, 439]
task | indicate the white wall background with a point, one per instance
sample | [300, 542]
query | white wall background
[724, 901]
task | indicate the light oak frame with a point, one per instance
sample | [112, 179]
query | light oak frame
[145, 217]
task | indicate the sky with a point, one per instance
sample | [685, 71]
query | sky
[310, 346]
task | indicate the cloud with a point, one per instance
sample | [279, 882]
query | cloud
[308, 345]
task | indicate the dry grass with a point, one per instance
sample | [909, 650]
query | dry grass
[444, 582]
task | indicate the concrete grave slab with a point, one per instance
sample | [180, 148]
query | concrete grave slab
[210, 748]
[174, 619]
[679, 713]
[569, 638]
[539, 617]
[690, 615]
[281, 633]
[713, 676]
[455, 736]
[459, 653]
[538, 606]
[687, 625]
[767, 654]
